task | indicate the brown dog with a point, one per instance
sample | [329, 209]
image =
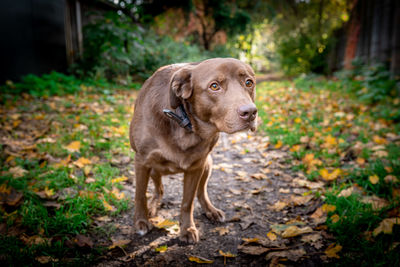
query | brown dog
[208, 97]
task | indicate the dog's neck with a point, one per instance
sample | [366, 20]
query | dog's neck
[204, 129]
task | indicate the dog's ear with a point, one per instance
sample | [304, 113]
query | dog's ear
[180, 86]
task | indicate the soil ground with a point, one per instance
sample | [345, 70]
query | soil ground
[259, 193]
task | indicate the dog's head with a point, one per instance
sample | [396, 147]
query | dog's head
[221, 91]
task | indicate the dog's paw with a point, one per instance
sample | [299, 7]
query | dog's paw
[189, 235]
[216, 215]
[143, 226]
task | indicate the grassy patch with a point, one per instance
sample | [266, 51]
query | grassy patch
[56, 174]
[349, 143]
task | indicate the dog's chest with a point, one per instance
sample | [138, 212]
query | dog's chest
[169, 159]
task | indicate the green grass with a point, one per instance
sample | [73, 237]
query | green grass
[60, 202]
[344, 133]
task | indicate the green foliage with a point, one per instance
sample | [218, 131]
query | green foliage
[372, 84]
[117, 49]
[304, 33]
[356, 222]
[54, 83]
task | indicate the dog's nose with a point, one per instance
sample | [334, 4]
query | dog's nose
[247, 112]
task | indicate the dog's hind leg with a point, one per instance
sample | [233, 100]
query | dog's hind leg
[212, 212]
[155, 201]
[142, 223]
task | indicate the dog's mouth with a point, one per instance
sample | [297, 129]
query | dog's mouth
[252, 126]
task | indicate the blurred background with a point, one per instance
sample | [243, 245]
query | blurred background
[125, 40]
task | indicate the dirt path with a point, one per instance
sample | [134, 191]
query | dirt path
[260, 194]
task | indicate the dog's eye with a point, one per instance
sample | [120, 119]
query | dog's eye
[249, 83]
[214, 87]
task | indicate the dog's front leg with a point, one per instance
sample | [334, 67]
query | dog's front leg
[212, 212]
[189, 232]
[142, 223]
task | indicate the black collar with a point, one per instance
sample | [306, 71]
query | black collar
[182, 120]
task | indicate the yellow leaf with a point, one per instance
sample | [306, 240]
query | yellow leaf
[166, 224]
[162, 249]
[330, 141]
[379, 140]
[293, 231]
[297, 120]
[328, 208]
[374, 179]
[271, 236]
[332, 251]
[295, 148]
[81, 162]
[199, 259]
[63, 162]
[360, 161]
[5, 189]
[116, 194]
[335, 218]
[226, 254]
[48, 192]
[250, 240]
[278, 144]
[73, 146]
[119, 179]
[386, 226]
[330, 176]
[107, 206]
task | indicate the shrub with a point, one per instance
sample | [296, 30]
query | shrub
[116, 48]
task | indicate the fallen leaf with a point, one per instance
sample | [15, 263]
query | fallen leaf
[278, 206]
[332, 250]
[271, 236]
[166, 224]
[330, 176]
[250, 240]
[83, 241]
[376, 202]
[117, 194]
[73, 146]
[300, 200]
[346, 192]
[221, 230]
[103, 219]
[253, 250]
[198, 259]
[81, 162]
[314, 239]
[278, 144]
[293, 231]
[107, 206]
[293, 255]
[390, 179]
[119, 179]
[328, 208]
[374, 179]
[319, 216]
[119, 243]
[161, 249]
[386, 226]
[259, 176]
[379, 140]
[335, 218]
[307, 184]
[17, 171]
[43, 259]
